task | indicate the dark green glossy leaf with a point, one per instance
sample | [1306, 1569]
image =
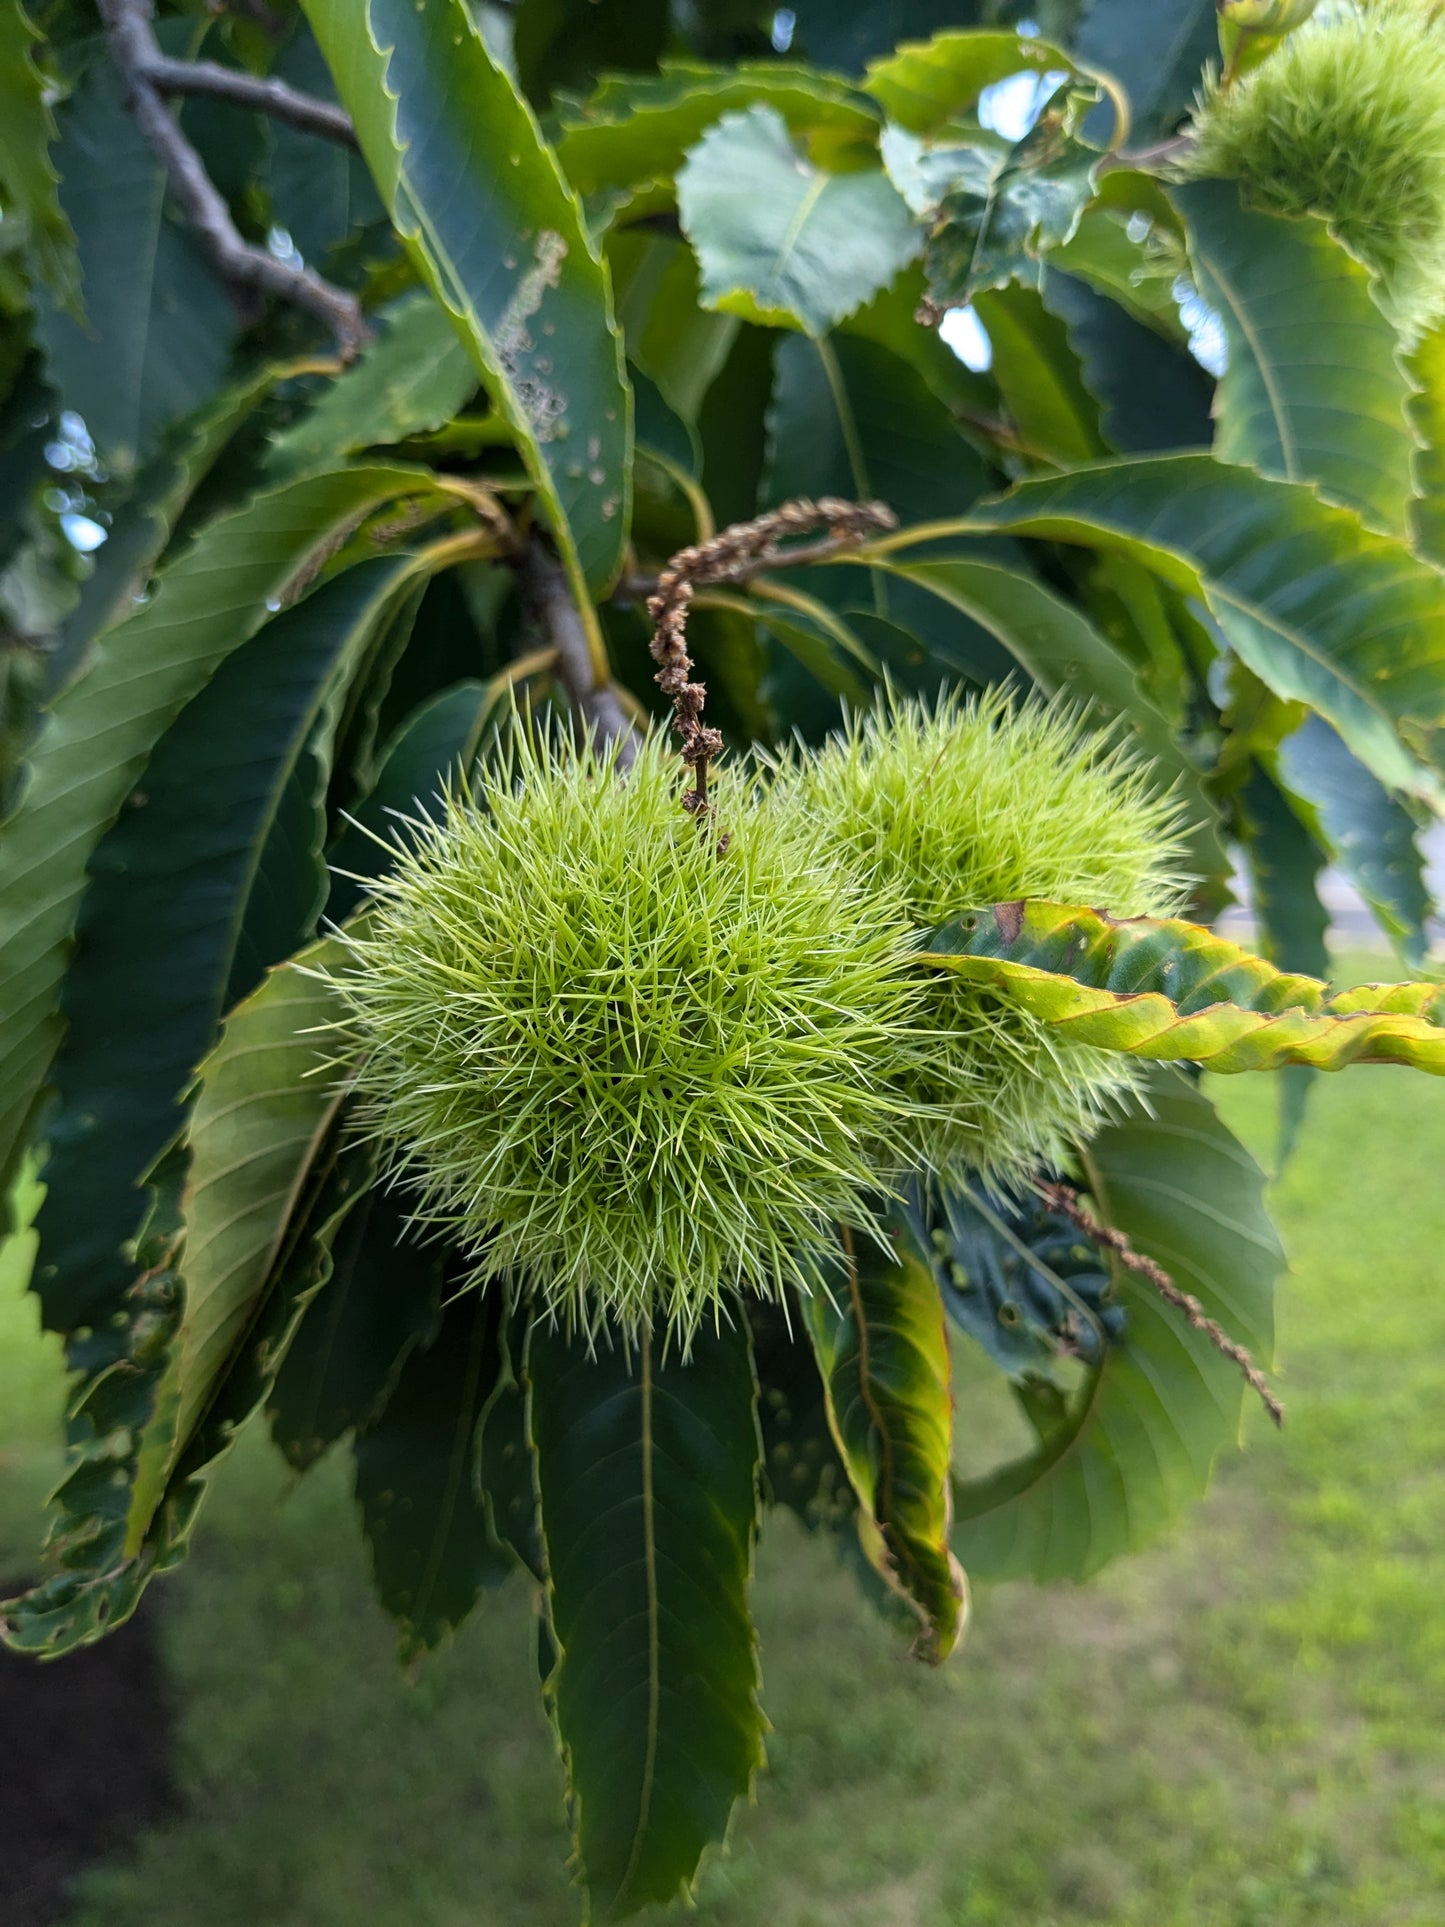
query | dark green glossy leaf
[1368, 834]
[1040, 378]
[851, 418]
[25, 428]
[565, 43]
[414, 377]
[432, 1551]
[103, 726]
[1153, 394]
[1284, 866]
[1314, 390]
[1140, 1439]
[156, 965]
[669, 335]
[1270, 560]
[802, 1469]
[380, 1302]
[779, 239]
[647, 1470]
[1156, 51]
[1161, 988]
[732, 424]
[320, 191]
[28, 178]
[506, 1466]
[433, 746]
[145, 519]
[1285, 862]
[156, 341]
[883, 1354]
[482, 206]
[848, 35]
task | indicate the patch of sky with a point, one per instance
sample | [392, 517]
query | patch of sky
[966, 335]
[1207, 340]
[81, 532]
[280, 244]
[1010, 107]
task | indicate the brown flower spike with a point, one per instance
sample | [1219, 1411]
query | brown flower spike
[736, 555]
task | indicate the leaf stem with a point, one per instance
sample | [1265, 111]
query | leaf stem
[1063, 1199]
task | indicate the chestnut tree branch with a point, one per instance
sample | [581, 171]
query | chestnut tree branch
[549, 595]
[208, 80]
[130, 31]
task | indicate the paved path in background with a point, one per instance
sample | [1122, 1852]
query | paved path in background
[1350, 919]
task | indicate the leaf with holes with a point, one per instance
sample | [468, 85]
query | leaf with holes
[993, 208]
[479, 200]
[882, 1350]
[647, 1471]
[1161, 988]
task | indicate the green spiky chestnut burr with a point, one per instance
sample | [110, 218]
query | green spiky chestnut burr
[623, 1069]
[1347, 120]
[973, 802]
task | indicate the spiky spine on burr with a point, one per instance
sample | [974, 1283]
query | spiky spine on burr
[624, 1070]
[981, 801]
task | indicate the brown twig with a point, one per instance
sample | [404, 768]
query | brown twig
[130, 30]
[545, 586]
[208, 80]
[736, 555]
[1065, 1200]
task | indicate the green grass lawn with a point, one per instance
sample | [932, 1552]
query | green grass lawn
[1241, 1728]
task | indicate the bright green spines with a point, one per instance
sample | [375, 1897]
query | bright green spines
[626, 1069]
[980, 802]
[1347, 120]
